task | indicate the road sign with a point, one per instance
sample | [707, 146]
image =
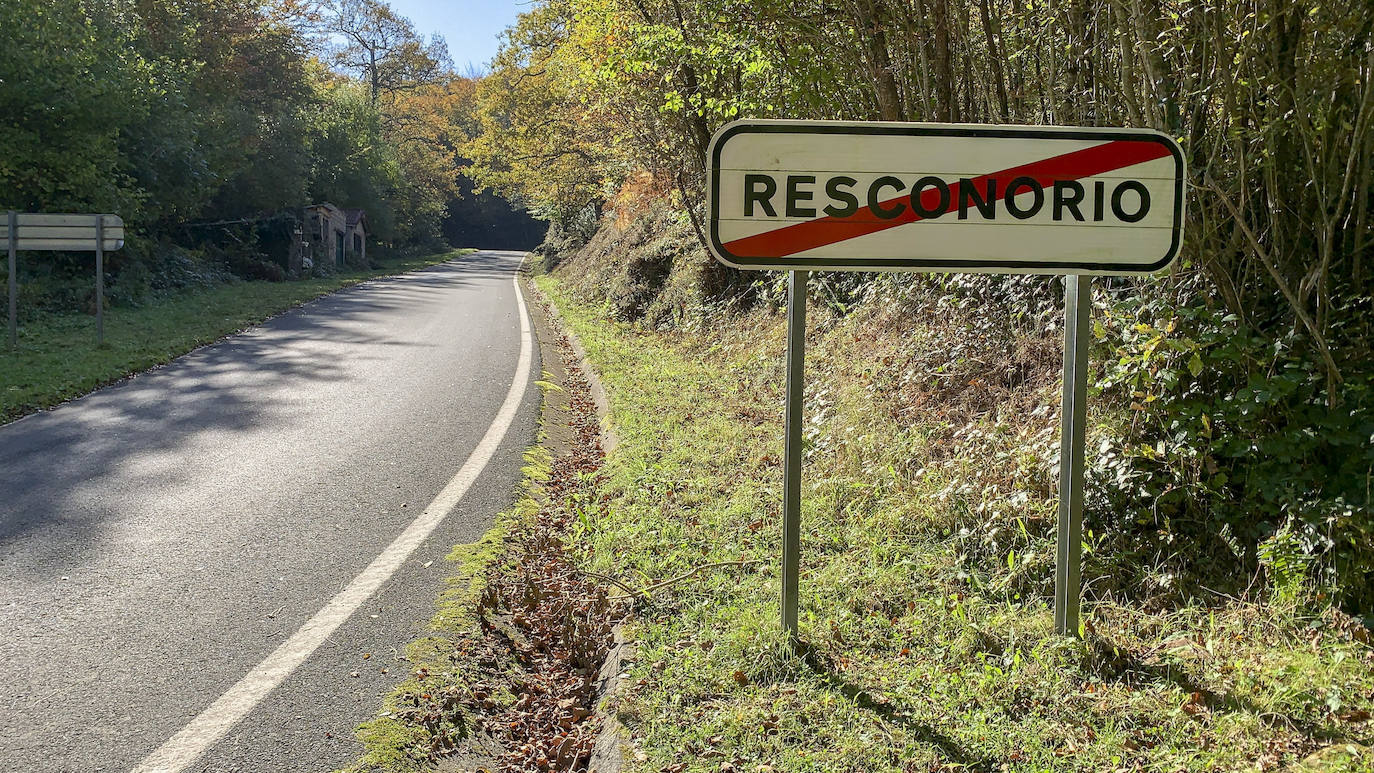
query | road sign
[835, 196]
[76, 233]
[944, 197]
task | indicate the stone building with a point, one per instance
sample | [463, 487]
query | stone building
[334, 236]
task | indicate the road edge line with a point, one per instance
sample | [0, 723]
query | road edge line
[212, 724]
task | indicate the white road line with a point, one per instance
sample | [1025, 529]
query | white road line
[214, 722]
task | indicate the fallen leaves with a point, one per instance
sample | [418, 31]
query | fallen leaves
[542, 617]
[1195, 703]
[520, 687]
[1355, 716]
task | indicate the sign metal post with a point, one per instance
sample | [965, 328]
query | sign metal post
[13, 280]
[792, 449]
[844, 196]
[1068, 557]
[66, 233]
[99, 280]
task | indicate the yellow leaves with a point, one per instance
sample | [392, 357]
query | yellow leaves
[1142, 399]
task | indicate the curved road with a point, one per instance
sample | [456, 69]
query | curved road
[161, 537]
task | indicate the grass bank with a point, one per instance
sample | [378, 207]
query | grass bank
[58, 359]
[927, 565]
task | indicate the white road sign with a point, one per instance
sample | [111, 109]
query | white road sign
[62, 232]
[944, 197]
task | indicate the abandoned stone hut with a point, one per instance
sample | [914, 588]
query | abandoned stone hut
[334, 235]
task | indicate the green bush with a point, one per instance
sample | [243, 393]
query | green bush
[1234, 446]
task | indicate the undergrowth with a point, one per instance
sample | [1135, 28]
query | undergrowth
[927, 549]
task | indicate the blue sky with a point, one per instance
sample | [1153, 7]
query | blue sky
[469, 26]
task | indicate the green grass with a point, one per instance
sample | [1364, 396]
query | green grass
[58, 359]
[922, 652]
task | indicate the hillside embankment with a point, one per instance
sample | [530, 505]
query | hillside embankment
[928, 537]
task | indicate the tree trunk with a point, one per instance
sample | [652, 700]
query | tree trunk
[944, 67]
[872, 19]
[995, 58]
[374, 77]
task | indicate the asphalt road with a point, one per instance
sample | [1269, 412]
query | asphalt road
[161, 537]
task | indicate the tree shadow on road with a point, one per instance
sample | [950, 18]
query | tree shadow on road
[63, 471]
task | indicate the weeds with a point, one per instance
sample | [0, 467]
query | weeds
[927, 550]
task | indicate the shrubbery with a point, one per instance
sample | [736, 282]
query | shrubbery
[1236, 460]
[1234, 393]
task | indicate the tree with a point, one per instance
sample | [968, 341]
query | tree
[537, 142]
[383, 48]
[353, 165]
[71, 86]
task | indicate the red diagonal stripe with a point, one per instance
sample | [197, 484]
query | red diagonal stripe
[1087, 162]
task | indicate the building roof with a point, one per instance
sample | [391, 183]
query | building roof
[354, 215]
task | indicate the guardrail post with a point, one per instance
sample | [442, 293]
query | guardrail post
[1068, 557]
[792, 449]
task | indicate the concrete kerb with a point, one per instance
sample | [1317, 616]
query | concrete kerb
[603, 406]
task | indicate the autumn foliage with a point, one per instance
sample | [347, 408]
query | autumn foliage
[1244, 377]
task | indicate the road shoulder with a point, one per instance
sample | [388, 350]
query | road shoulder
[509, 674]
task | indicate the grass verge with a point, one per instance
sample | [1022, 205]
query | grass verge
[58, 359]
[923, 653]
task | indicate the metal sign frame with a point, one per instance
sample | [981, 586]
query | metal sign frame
[1077, 329]
[61, 233]
[781, 129]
